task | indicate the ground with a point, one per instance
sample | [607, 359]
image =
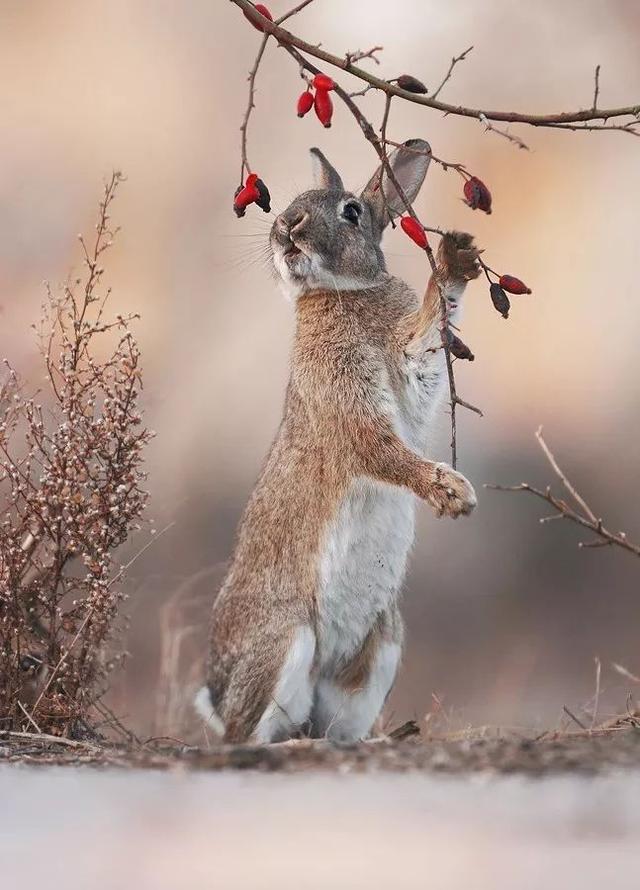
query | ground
[406, 814]
[587, 752]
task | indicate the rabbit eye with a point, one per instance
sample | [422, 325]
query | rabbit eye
[352, 212]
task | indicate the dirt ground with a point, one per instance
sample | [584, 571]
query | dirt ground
[584, 752]
[559, 810]
[565, 816]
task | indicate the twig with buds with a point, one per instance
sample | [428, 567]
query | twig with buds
[576, 511]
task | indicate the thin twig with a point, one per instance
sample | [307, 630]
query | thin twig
[629, 127]
[29, 717]
[573, 717]
[515, 140]
[362, 92]
[596, 88]
[61, 661]
[596, 702]
[624, 672]
[383, 141]
[294, 11]
[45, 738]
[446, 165]
[244, 165]
[364, 54]
[562, 477]
[454, 62]
[583, 515]
[142, 550]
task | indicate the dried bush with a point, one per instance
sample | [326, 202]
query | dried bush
[72, 482]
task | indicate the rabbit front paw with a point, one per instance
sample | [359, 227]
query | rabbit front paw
[450, 493]
[458, 257]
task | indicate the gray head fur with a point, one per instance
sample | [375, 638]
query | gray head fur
[329, 238]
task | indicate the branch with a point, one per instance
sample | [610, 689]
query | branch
[580, 514]
[287, 39]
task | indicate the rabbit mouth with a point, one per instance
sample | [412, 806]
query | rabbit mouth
[292, 262]
[291, 252]
[295, 260]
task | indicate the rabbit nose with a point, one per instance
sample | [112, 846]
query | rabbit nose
[293, 222]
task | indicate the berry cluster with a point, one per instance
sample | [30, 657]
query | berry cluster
[476, 194]
[321, 102]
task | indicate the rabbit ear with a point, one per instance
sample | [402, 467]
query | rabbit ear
[409, 163]
[325, 176]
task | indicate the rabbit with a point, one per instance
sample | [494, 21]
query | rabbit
[306, 634]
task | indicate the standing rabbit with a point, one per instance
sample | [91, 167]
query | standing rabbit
[306, 632]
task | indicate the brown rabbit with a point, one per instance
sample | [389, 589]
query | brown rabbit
[306, 632]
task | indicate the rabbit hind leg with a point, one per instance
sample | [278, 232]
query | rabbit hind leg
[269, 697]
[347, 705]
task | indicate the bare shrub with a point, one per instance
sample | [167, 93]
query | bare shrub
[72, 486]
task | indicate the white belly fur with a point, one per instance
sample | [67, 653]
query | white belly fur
[362, 565]
[364, 556]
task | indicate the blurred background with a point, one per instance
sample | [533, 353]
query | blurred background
[505, 617]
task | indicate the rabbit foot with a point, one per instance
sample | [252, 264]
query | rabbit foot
[458, 257]
[451, 494]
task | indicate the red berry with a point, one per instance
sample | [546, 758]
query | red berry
[514, 285]
[305, 103]
[414, 230]
[246, 195]
[477, 194]
[323, 82]
[323, 107]
[262, 9]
